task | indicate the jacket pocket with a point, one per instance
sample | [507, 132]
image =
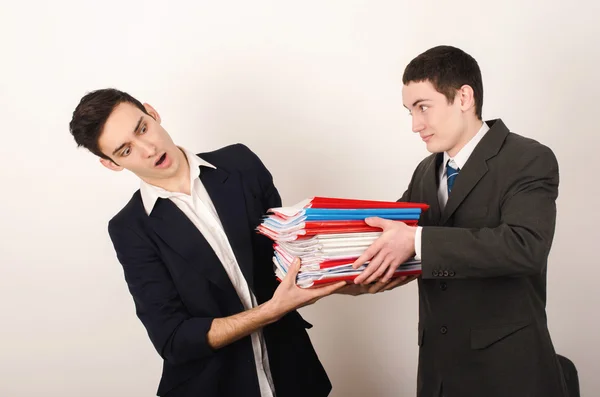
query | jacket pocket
[482, 338]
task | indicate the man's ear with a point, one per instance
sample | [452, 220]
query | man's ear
[466, 97]
[111, 165]
[152, 112]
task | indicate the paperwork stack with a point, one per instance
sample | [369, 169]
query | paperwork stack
[329, 234]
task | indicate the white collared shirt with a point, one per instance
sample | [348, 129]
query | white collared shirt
[199, 208]
[460, 160]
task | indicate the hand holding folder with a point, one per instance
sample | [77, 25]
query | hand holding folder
[288, 296]
[397, 241]
[329, 234]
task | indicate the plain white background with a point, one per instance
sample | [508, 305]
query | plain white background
[314, 88]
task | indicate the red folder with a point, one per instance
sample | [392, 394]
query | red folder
[313, 228]
[341, 203]
[320, 283]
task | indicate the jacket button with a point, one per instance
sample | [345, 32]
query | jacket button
[443, 330]
[451, 273]
[435, 273]
[443, 286]
[445, 273]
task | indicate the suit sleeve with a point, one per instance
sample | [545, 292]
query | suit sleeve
[177, 336]
[519, 246]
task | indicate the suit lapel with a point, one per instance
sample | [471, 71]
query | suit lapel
[472, 172]
[475, 168]
[177, 231]
[430, 188]
[227, 195]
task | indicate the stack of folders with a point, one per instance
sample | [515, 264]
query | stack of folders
[329, 234]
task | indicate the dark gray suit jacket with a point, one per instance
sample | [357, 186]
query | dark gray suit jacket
[482, 295]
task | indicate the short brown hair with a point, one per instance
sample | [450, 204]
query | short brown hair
[447, 68]
[91, 114]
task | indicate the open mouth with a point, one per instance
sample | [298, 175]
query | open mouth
[161, 160]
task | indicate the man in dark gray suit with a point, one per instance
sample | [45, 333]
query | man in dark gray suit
[484, 241]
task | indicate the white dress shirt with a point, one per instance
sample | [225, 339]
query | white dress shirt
[198, 207]
[459, 160]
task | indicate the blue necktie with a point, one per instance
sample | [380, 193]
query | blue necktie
[451, 173]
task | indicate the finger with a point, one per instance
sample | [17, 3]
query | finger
[396, 282]
[394, 265]
[399, 282]
[378, 222]
[368, 254]
[370, 269]
[353, 289]
[378, 286]
[383, 266]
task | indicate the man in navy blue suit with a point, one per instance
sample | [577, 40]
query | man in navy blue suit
[200, 276]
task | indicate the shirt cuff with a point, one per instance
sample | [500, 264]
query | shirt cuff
[418, 242]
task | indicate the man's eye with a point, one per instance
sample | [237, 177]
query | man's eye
[424, 108]
[143, 129]
[126, 152]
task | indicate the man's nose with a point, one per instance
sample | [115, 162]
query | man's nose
[417, 124]
[148, 148]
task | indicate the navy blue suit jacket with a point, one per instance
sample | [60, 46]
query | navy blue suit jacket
[179, 286]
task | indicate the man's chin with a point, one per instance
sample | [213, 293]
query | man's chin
[432, 148]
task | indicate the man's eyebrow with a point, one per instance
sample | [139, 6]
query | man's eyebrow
[419, 101]
[119, 148]
[415, 103]
[137, 127]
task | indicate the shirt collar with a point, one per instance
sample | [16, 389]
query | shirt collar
[151, 193]
[463, 155]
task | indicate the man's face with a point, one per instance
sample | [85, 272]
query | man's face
[441, 125]
[137, 142]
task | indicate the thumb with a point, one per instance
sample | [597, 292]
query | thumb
[293, 271]
[377, 222]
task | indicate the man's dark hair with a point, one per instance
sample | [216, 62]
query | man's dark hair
[91, 114]
[447, 68]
